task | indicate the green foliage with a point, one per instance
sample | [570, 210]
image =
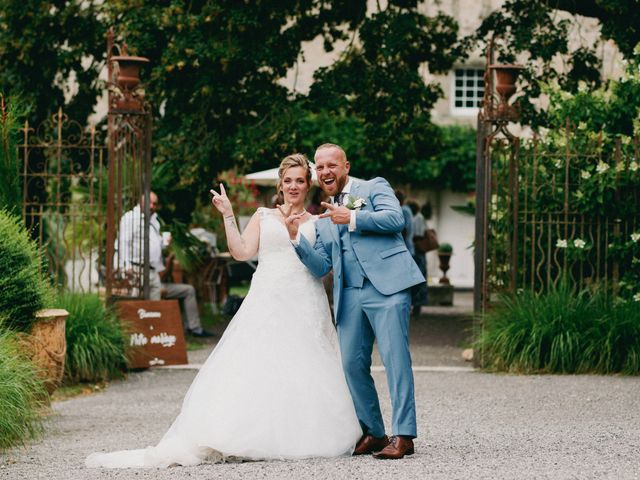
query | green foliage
[613, 108]
[562, 331]
[454, 165]
[540, 30]
[187, 249]
[22, 395]
[626, 250]
[45, 43]
[96, 341]
[215, 67]
[378, 81]
[298, 129]
[445, 247]
[12, 111]
[24, 288]
[583, 176]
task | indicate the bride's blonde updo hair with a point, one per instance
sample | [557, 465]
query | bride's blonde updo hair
[293, 160]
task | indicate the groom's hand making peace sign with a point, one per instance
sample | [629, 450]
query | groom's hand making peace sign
[340, 215]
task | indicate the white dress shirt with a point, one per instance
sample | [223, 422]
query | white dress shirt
[130, 241]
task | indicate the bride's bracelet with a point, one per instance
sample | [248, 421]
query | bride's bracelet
[230, 219]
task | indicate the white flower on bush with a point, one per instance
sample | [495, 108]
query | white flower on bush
[633, 166]
[558, 163]
[585, 175]
[636, 297]
[635, 236]
[620, 167]
[602, 167]
[561, 243]
[579, 243]
[497, 214]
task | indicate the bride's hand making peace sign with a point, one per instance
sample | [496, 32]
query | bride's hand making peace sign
[222, 202]
[291, 221]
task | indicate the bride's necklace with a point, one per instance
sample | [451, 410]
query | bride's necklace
[301, 212]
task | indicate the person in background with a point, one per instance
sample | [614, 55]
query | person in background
[407, 232]
[419, 293]
[130, 255]
[314, 207]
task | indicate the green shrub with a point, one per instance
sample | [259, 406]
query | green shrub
[22, 395]
[615, 339]
[23, 285]
[562, 331]
[96, 342]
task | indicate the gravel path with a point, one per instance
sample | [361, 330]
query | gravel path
[471, 425]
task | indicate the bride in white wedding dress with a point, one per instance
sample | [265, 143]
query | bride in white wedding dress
[273, 388]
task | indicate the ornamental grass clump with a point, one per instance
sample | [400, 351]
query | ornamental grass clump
[96, 341]
[562, 331]
[23, 284]
[22, 395]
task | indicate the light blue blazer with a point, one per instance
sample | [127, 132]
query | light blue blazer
[377, 243]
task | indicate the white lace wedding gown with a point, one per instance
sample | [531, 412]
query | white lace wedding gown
[273, 388]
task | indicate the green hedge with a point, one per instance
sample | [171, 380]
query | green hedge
[562, 331]
[22, 395]
[23, 284]
[96, 342]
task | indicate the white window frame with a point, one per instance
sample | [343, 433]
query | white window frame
[464, 111]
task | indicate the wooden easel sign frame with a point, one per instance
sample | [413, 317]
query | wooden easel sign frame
[155, 333]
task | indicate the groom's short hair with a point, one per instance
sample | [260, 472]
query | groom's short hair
[331, 145]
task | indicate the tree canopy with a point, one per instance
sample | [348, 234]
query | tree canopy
[43, 45]
[216, 69]
[533, 28]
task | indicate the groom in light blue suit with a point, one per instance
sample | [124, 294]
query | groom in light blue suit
[360, 237]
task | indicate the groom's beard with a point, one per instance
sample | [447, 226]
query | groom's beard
[339, 184]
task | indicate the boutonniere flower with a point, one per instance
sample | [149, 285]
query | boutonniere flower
[355, 203]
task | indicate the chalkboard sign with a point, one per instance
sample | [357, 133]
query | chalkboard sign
[155, 333]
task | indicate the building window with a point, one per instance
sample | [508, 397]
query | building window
[468, 90]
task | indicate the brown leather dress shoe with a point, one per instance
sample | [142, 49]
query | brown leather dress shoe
[369, 444]
[398, 447]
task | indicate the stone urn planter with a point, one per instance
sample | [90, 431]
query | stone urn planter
[47, 345]
[445, 250]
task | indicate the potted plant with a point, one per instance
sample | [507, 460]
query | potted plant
[445, 250]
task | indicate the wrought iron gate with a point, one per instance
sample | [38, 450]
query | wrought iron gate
[79, 191]
[558, 211]
[63, 168]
